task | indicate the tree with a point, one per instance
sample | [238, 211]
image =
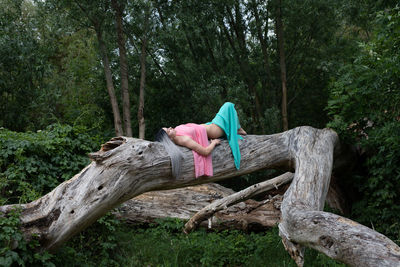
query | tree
[95, 16]
[143, 54]
[119, 7]
[23, 67]
[282, 63]
[127, 167]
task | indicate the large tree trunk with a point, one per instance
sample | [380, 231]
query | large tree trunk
[218, 207]
[282, 63]
[118, 7]
[182, 203]
[109, 82]
[127, 167]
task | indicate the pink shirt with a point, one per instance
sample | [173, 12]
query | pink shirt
[202, 164]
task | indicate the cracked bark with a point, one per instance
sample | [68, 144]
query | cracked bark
[240, 196]
[182, 203]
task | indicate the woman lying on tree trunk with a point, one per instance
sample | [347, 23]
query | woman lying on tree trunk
[195, 136]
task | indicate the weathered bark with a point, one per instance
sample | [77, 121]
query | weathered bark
[118, 7]
[219, 203]
[109, 81]
[240, 196]
[303, 222]
[282, 63]
[182, 203]
[127, 167]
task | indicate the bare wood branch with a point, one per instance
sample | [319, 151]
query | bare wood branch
[240, 196]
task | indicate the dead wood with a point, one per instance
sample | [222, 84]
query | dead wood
[240, 196]
[138, 166]
[182, 203]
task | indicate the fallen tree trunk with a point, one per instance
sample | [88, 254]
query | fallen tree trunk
[182, 203]
[127, 167]
[217, 207]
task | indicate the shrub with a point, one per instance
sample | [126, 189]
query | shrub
[14, 249]
[33, 163]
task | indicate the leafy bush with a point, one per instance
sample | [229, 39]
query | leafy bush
[96, 246]
[32, 164]
[14, 249]
[365, 106]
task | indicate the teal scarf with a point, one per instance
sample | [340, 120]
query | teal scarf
[228, 120]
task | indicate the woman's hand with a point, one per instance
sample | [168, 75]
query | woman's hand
[190, 143]
[216, 141]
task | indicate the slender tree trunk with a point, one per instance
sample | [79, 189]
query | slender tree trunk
[140, 115]
[175, 58]
[279, 34]
[109, 81]
[118, 7]
[263, 45]
[148, 52]
[243, 60]
[214, 63]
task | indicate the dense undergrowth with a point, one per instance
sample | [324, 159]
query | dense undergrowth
[365, 109]
[33, 163]
[164, 244]
[110, 242]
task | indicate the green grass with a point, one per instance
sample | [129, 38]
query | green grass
[155, 247]
[166, 245]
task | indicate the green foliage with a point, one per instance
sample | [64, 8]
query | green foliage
[113, 243]
[309, 28]
[14, 248]
[31, 164]
[99, 245]
[165, 245]
[22, 64]
[48, 72]
[365, 106]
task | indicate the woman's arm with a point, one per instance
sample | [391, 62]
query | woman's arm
[188, 142]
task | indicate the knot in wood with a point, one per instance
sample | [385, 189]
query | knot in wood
[326, 241]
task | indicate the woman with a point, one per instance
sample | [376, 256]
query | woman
[195, 137]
